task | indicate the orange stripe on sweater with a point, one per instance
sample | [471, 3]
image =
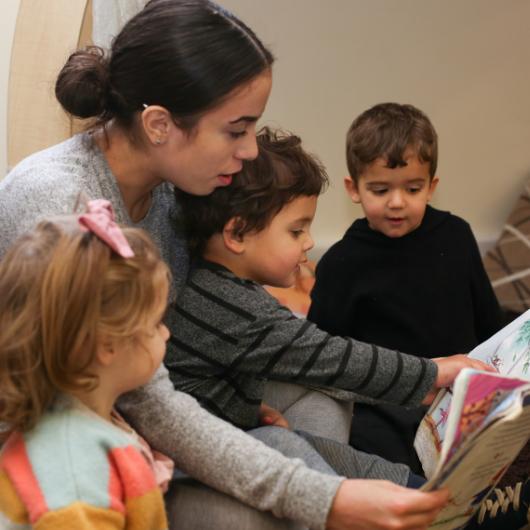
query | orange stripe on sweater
[131, 472]
[116, 494]
[18, 466]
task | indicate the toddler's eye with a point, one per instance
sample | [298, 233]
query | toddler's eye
[415, 189]
[379, 191]
[297, 233]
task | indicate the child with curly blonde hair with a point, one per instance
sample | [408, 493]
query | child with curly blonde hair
[80, 324]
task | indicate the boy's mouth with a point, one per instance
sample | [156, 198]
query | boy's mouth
[395, 220]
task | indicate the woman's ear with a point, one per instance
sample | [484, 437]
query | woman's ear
[352, 189]
[156, 121]
[232, 240]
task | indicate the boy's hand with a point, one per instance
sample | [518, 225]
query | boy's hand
[382, 505]
[449, 368]
[270, 416]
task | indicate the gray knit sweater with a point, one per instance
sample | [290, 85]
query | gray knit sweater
[230, 336]
[48, 183]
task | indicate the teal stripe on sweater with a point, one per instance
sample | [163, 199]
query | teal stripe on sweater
[69, 454]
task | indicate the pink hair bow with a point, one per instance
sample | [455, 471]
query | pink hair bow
[99, 219]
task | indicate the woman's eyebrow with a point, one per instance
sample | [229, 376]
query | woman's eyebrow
[248, 119]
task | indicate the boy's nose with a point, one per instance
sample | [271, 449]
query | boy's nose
[396, 199]
[309, 243]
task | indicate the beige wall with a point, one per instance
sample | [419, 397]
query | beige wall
[7, 30]
[467, 64]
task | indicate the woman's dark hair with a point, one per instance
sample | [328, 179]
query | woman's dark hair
[386, 131]
[282, 172]
[185, 55]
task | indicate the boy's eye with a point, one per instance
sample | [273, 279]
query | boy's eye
[379, 191]
[297, 232]
[414, 189]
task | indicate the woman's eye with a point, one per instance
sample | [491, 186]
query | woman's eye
[237, 134]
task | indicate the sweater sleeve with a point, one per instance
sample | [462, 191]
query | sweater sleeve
[296, 350]
[227, 327]
[27, 196]
[225, 457]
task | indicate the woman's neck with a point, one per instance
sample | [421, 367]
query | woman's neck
[131, 167]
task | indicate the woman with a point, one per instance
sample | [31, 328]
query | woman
[175, 104]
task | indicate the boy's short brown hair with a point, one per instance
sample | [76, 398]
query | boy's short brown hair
[281, 172]
[386, 131]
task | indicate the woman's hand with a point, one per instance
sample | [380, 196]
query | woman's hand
[382, 505]
[270, 416]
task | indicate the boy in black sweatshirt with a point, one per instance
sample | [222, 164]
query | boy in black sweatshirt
[406, 276]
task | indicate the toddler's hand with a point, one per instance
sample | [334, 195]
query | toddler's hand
[270, 416]
[449, 368]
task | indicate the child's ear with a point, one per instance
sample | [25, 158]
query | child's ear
[106, 351]
[232, 240]
[351, 189]
[432, 187]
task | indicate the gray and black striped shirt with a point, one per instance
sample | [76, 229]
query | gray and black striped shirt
[229, 336]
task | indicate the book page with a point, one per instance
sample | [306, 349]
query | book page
[484, 393]
[509, 352]
[481, 458]
[509, 349]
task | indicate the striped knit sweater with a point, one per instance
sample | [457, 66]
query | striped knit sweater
[230, 336]
[75, 470]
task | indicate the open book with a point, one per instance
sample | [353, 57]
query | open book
[472, 433]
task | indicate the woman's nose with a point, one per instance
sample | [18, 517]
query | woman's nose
[248, 148]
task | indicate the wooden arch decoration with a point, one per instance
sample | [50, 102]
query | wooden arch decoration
[45, 34]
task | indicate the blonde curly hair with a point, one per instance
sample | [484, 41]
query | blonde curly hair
[61, 289]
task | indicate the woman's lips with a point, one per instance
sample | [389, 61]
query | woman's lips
[226, 180]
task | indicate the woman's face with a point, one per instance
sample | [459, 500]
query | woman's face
[208, 156]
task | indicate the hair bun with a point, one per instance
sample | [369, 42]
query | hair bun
[82, 86]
